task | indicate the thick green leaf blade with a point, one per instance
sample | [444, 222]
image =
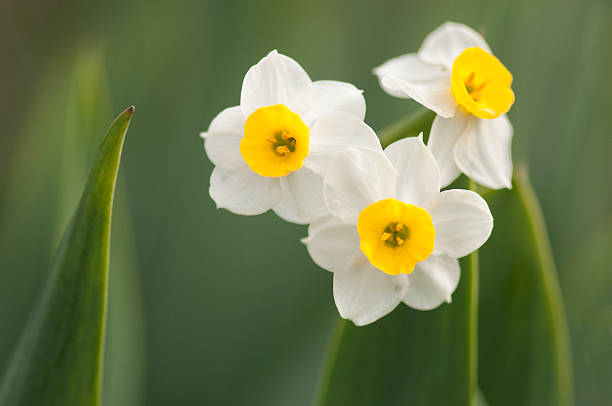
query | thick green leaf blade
[59, 358]
[590, 316]
[524, 345]
[408, 357]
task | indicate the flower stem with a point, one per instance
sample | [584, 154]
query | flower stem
[472, 281]
[411, 126]
[330, 360]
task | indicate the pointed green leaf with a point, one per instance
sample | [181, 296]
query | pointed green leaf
[59, 358]
[524, 346]
[418, 122]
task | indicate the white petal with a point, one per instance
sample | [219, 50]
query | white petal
[332, 243]
[436, 96]
[432, 282]
[446, 43]
[331, 96]
[276, 79]
[408, 76]
[222, 140]
[411, 68]
[364, 294]
[462, 221]
[484, 152]
[335, 132]
[442, 140]
[302, 200]
[356, 178]
[244, 192]
[418, 176]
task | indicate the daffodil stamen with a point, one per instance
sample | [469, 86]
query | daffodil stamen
[275, 141]
[481, 84]
[395, 235]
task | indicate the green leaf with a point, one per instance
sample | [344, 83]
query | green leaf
[59, 358]
[524, 345]
[588, 289]
[408, 357]
[411, 126]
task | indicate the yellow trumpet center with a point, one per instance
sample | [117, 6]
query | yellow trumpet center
[481, 84]
[395, 235]
[275, 141]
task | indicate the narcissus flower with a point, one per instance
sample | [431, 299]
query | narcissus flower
[392, 236]
[455, 74]
[271, 150]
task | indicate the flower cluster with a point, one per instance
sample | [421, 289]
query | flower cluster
[377, 218]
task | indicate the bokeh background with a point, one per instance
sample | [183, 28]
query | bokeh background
[213, 308]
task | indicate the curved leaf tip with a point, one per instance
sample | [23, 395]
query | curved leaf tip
[58, 360]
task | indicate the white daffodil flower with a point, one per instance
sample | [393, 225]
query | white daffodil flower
[270, 151]
[455, 75]
[392, 236]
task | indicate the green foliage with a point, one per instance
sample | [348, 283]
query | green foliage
[59, 358]
[591, 317]
[524, 346]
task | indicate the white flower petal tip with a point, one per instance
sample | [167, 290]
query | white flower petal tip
[463, 222]
[435, 95]
[418, 173]
[243, 192]
[356, 178]
[446, 42]
[302, 200]
[276, 79]
[432, 282]
[222, 140]
[408, 76]
[334, 132]
[335, 96]
[484, 152]
[331, 243]
[363, 294]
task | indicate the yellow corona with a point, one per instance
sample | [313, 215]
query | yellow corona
[275, 141]
[481, 84]
[395, 235]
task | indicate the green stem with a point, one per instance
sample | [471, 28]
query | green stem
[550, 281]
[332, 354]
[472, 280]
[411, 126]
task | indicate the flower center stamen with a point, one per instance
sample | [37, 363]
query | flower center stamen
[395, 234]
[282, 143]
[473, 89]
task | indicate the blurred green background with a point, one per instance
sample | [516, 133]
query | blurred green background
[214, 308]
